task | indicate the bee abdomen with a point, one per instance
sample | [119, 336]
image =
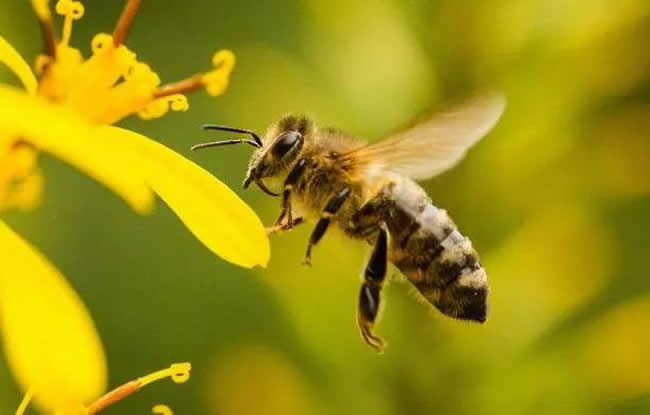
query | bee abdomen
[442, 264]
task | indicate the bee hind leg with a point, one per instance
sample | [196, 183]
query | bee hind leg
[333, 206]
[369, 296]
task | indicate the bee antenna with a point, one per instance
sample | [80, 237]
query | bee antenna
[225, 143]
[255, 137]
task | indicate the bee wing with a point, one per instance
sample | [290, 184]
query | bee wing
[434, 145]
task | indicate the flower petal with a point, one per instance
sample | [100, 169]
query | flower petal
[50, 340]
[10, 57]
[53, 129]
[209, 209]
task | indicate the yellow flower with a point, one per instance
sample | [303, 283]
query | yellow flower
[68, 110]
[51, 342]
[177, 372]
[49, 338]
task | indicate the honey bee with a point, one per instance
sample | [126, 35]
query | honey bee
[369, 192]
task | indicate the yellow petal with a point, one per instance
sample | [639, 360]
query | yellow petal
[50, 341]
[209, 209]
[10, 57]
[91, 149]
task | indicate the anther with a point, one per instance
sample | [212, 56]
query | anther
[162, 410]
[179, 373]
[215, 81]
[72, 10]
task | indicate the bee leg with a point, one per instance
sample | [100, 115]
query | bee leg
[291, 181]
[286, 207]
[369, 297]
[333, 205]
[285, 226]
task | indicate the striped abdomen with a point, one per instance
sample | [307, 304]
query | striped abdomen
[435, 257]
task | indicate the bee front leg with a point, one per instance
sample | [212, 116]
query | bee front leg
[289, 183]
[369, 297]
[333, 206]
[286, 207]
[285, 226]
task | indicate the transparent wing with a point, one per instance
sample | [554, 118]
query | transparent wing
[434, 145]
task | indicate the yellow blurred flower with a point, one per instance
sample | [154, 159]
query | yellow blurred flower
[279, 387]
[50, 339]
[615, 350]
[534, 260]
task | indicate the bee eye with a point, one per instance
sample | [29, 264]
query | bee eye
[284, 143]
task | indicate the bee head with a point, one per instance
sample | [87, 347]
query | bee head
[281, 148]
[274, 154]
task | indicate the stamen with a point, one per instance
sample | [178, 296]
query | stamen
[160, 106]
[179, 372]
[190, 84]
[42, 63]
[214, 81]
[217, 80]
[42, 10]
[49, 38]
[162, 410]
[72, 10]
[113, 396]
[23, 404]
[126, 20]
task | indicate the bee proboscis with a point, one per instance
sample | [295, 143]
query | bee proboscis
[369, 192]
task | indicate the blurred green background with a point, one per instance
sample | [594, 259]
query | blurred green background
[556, 200]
